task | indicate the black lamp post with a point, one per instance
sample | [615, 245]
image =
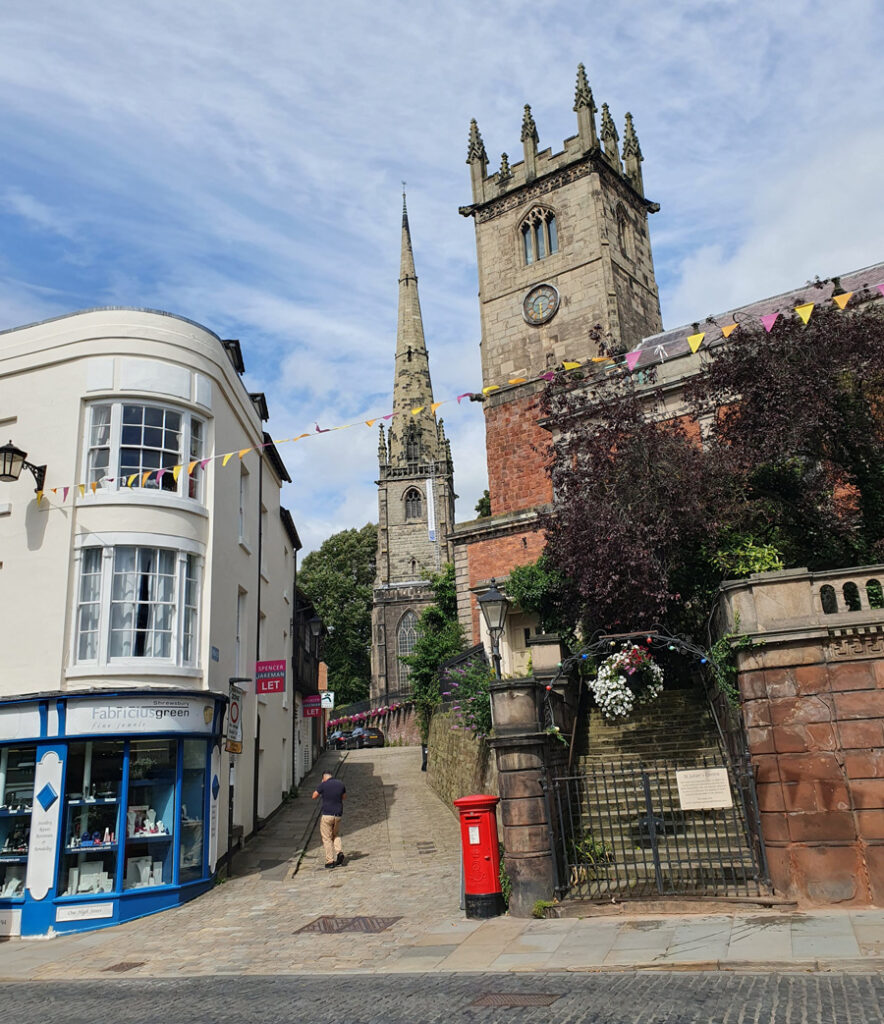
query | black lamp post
[13, 460]
[494, 608]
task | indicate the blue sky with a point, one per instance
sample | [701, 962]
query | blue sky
[240, 164]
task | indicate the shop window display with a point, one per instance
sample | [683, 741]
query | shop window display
[150, 813]
[16, 803]
[193, 795]
[92, 818]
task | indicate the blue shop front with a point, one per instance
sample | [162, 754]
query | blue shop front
[108, 806]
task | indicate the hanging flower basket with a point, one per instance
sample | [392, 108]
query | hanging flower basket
[629, 677]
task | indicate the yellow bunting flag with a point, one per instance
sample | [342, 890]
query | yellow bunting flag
[728, 329]
[842, 300]
[434, 406]
[176, 472]
[145, 477]
[227, 458]
[298, 438]
[601, 359]
[82, 490]
[696, 340]
[190, 466]
[570, 366]
[93, 485]
[130, 478]
[517, 380]
[420, 408]
[805, 311]
[371, 423]
[491, 387]
[39, 497]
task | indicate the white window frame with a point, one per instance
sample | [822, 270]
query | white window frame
[190, 487]
[186, 553]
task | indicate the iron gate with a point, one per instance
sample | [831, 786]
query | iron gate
[624, 833]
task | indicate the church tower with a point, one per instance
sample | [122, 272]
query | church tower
[415, 493]
[564, 254]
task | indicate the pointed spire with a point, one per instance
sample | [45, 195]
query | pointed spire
[585, 108]
[412, 388]
[382, 446]
[530, 139]
[477, 158]
[632, 155]
[610, 138]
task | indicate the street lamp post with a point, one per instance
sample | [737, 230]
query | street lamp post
[494, 609]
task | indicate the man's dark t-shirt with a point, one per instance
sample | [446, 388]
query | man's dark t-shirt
[332, 794]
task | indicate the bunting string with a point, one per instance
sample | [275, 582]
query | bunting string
[630, 360]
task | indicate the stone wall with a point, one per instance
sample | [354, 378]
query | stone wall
[813, 703]
[458, 764]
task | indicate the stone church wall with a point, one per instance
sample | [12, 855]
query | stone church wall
[813, 704]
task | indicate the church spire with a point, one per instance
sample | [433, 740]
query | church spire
[632, 155]
[610, 138]
[412, 436]
[585, 108]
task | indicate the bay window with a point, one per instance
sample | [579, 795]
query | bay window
[131, 444]
[137, 602]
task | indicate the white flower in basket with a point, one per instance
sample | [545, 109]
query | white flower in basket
[625, 679]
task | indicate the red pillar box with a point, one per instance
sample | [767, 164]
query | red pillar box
[481, 855]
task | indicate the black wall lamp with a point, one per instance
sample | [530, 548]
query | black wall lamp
[13, 460]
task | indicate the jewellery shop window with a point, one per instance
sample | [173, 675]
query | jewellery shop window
[193, 798]
[92, 818]
[16, 804]
[150, 813]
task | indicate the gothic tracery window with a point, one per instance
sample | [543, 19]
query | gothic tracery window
[624, 233]
[407, 636]
[540, 235]
[412, 503]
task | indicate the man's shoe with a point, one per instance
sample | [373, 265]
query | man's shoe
[328, 867]
[339, 861]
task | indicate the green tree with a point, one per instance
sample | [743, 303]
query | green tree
[440, 637]
[338, 579]
[483, 505]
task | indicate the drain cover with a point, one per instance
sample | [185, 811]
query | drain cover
[333, 925]
[516, 999]
[125, 965]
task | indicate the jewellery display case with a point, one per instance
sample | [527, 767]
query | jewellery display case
[150, 813]
[16, 804]
[92, 818]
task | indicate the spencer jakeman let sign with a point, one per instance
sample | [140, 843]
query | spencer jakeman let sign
[269, 677]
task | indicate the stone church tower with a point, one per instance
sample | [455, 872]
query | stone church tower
[563, 249]
[415, 493]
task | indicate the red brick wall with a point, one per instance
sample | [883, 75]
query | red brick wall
[516, 448]
[495, 556]
[816, 735]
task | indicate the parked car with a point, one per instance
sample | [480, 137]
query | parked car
[339, 738]
[371, 737]
[354, 738]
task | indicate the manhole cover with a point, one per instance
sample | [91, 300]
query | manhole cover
[515, 999]
[125, 965]
[333, 925]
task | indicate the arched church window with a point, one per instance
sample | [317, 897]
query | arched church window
[624, 233]
[540, 235]
[412, 448]
[407, 637]
[412, 503]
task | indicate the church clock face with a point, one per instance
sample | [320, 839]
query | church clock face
[540, 304]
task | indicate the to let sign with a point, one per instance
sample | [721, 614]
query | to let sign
[312, 706]
[270, 677]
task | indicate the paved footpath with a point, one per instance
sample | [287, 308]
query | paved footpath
[403, 875]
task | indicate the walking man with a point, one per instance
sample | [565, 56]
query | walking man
[332, 793]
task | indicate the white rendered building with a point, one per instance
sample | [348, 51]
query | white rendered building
[155, 567]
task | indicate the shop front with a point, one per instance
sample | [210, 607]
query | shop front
[108, 806]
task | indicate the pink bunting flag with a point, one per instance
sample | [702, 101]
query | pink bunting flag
[389, 416]
[319, 429]
[880, 287]
[549, 375]
[64, 496]
[204, 463]
[632, 358]
[160, 474]
[769, 319]
[466, 394]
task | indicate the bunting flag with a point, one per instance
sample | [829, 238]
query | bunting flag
[804, 311]
[696, 340]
